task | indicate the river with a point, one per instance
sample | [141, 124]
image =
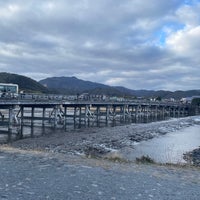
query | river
[168, 148]
[164, 141]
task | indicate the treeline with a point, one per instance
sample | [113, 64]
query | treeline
[25, 84]
[196, 102]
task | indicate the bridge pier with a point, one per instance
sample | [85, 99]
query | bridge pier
[80, 113]
[10, 121]
[43, 116]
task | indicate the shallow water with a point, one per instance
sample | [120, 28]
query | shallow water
[168, 148]
[172, 138]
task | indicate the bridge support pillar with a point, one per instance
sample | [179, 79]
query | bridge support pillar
[10, 120]
[80, 115]
[32, 120]
[65, 118]
[43, 115]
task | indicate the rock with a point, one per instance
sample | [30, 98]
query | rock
[95, 151]
[193, 157]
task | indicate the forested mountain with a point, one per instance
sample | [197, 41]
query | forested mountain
[25, 84]
[161, 93]
[73, 85]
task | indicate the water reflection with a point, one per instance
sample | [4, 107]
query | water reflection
[36, 128]
[168, 148]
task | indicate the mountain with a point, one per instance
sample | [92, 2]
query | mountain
[137, 93]
[25, 84]
[161, 93]
[73, 85]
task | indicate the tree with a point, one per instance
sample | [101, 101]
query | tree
[196, 102]
[158, 98]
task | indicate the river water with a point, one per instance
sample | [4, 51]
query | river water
[170, 138]
[168, 148]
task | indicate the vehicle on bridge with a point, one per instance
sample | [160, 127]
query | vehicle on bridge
[8, 90]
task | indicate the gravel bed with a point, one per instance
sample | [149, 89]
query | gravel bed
[98, 142]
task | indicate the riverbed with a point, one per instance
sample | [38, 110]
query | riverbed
[163, 141]
[168, 148]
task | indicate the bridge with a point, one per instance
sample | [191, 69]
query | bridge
[59, 113]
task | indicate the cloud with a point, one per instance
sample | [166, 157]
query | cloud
[186, 42]
[134, 43]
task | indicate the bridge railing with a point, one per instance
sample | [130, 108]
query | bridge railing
[32, 97]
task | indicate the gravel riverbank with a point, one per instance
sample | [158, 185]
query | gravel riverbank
[193, 157]
[60, 165]
[37, 175]
[102, 142]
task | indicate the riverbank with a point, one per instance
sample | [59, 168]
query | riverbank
[193, 157]
[87, 164]
[31, 174]
[105, 142]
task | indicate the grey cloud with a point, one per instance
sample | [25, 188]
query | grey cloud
[88, 37]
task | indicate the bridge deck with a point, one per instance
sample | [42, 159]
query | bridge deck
[15, 112]
[50, 104]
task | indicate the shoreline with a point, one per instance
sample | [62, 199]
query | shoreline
[106, 142]
[39, 175]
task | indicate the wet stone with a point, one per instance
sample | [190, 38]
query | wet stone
[95, 151]
[193, 157]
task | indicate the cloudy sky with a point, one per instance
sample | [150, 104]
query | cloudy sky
[139, 44]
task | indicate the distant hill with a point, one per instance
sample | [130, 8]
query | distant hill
[137, 93]
[73, 85]
[161, 93]
[182, 94]
[26, 84]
